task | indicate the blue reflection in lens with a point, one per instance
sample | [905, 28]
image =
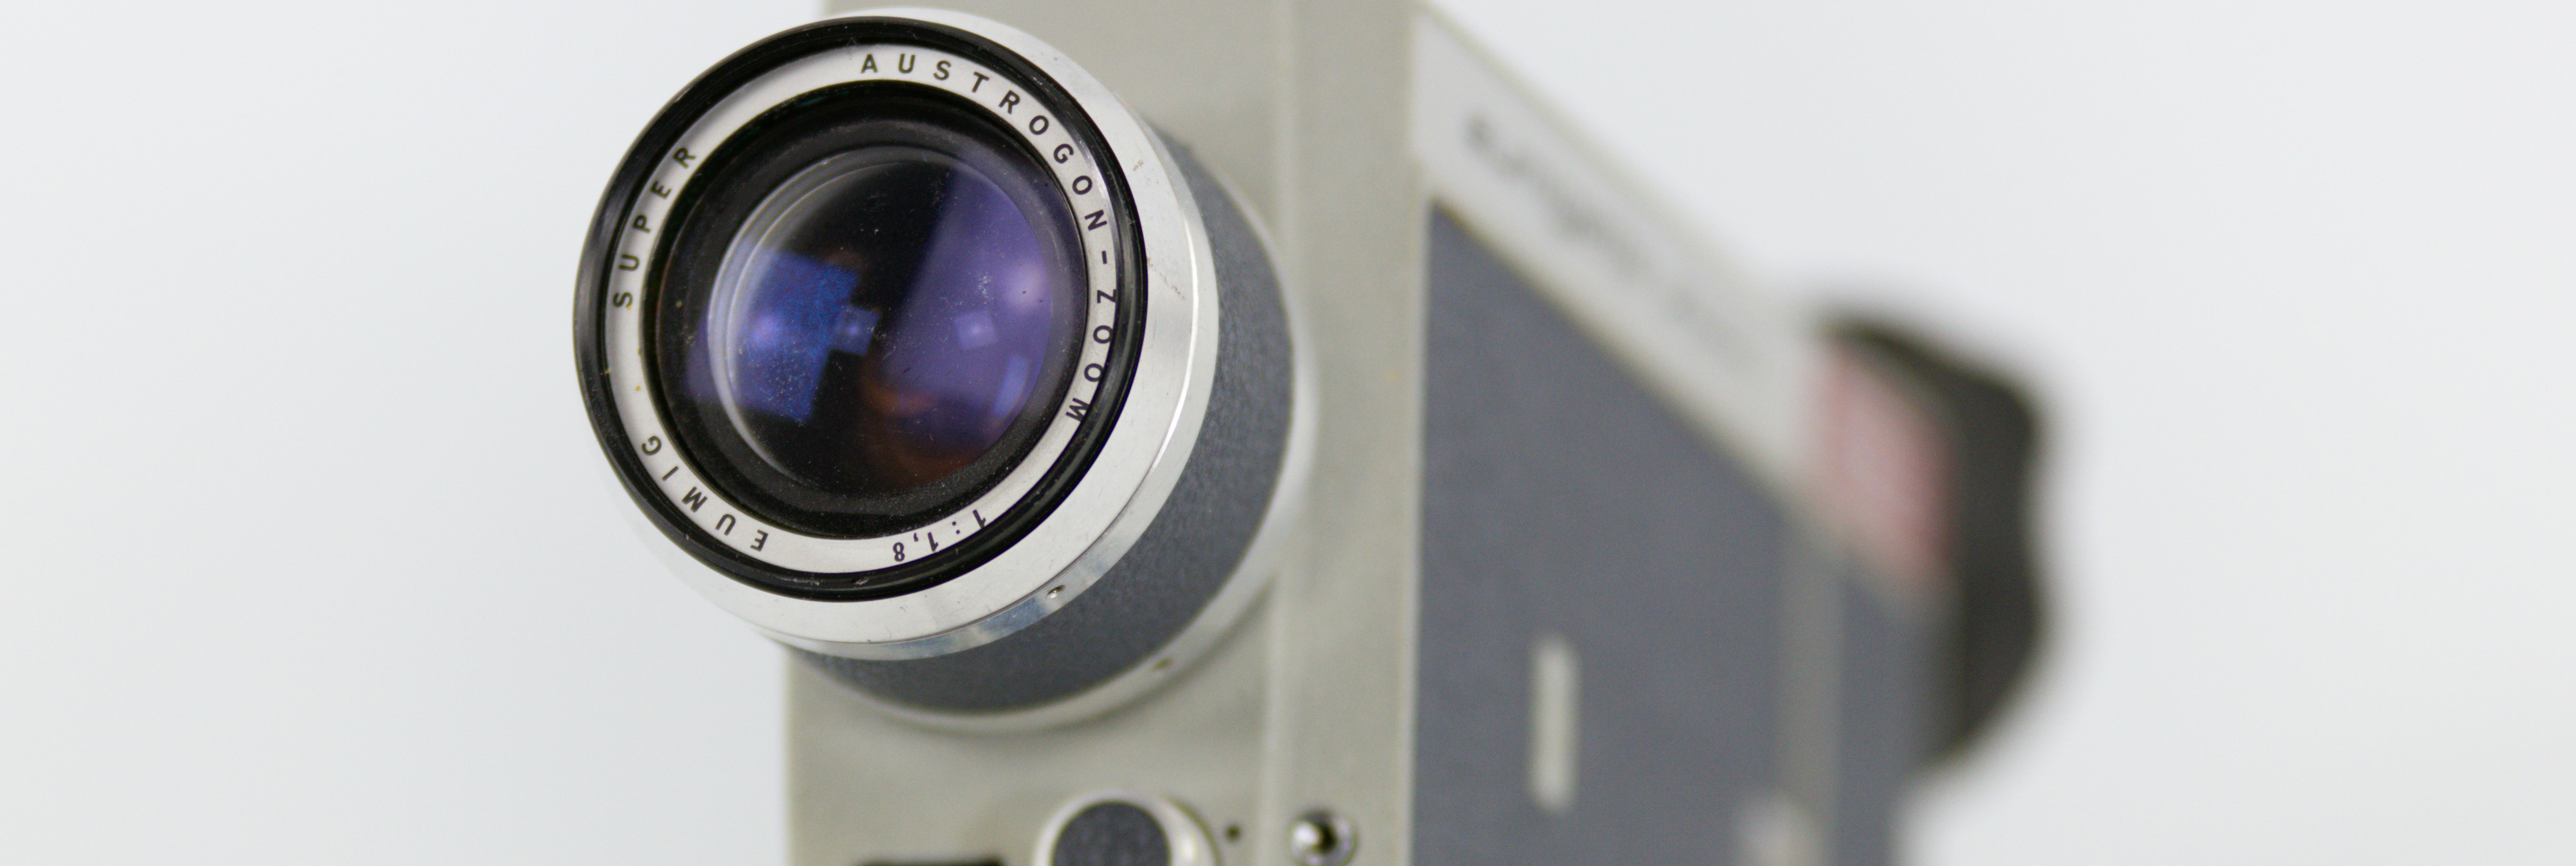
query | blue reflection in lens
[799, 316]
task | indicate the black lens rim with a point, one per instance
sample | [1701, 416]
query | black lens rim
[706, 220]
[635, 172]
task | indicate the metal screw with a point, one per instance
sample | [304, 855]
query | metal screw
[1321, 838]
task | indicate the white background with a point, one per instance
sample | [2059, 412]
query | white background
[309, 560]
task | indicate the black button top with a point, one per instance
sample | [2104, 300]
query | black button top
[1112, 834]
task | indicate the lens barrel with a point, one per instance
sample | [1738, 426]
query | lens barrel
[911, 338]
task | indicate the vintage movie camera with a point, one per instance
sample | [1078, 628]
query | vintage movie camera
[1259, 433]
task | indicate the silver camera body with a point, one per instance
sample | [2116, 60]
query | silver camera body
[1203, 433]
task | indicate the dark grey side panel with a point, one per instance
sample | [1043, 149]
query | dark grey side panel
[1885, 680]
[1560, 496]
[1191, 548]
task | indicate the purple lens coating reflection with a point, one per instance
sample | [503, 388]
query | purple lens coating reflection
[885, 320]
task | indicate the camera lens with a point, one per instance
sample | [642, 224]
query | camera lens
[946, 366]
[874, 312]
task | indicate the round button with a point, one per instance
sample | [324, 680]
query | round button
[1118, 829]
[1112, 834]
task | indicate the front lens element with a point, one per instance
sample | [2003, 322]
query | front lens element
[883, 321]
[870, 321]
